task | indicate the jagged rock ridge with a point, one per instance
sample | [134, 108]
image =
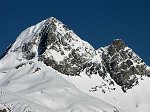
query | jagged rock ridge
[60, 48]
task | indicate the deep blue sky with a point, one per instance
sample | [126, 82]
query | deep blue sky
[96, 21]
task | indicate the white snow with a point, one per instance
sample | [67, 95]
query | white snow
[136, 99]
[45, 90]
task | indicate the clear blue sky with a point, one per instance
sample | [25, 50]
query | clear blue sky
[96, 21]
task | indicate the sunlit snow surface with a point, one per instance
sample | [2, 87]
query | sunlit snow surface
[45, 90]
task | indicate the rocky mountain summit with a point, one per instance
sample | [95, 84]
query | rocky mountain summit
[60, 48]
[53, 44]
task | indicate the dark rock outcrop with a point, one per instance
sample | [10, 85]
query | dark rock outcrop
[123, 64]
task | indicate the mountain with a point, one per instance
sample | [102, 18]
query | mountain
[50, 69]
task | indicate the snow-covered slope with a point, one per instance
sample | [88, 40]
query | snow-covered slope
[50, 69]
[136, 99]
[37, 88]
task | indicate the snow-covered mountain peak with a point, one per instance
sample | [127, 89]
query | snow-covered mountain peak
[53, 43]
[48, 66]
[48, 36]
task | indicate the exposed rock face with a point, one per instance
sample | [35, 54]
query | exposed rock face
[72, 57]
[4, 110]
[123, 64]
[58, 47]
